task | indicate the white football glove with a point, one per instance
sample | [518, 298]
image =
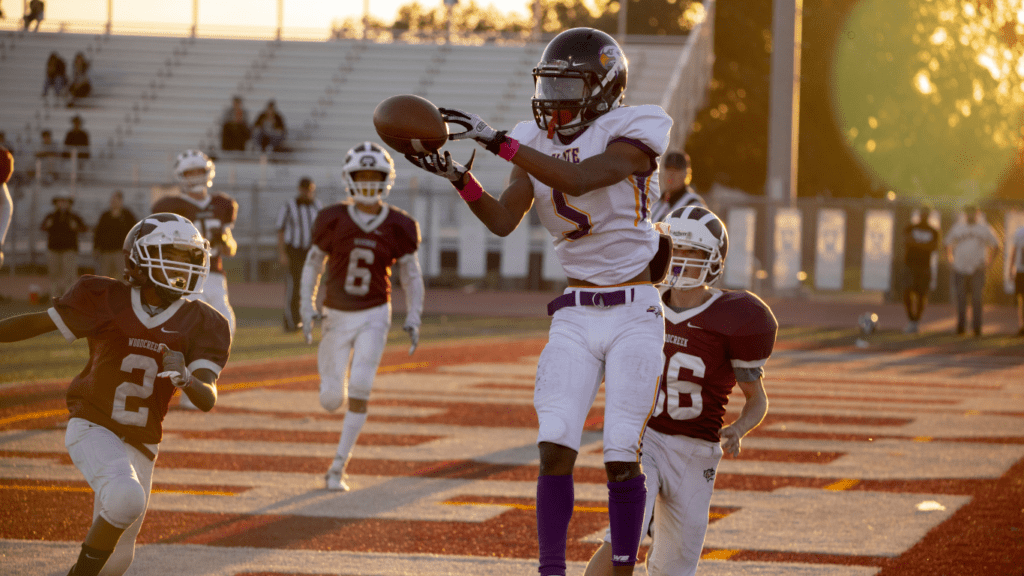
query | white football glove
[476, 129]
[307, 325]
[444, 166]
[174, 367]
[414, 334]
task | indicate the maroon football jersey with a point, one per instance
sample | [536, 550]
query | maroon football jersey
[211, 216]
[118, 388]
[360, 256]
[702, 346]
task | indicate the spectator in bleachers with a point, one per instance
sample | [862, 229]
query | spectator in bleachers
[35, 13]
[269, 128]
[48, 153]
[234, 127]
[76, 139]
[81, 86]
[62, 227]
[56, 75]
[108, 237]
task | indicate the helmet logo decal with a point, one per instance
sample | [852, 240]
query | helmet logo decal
[609, 57]
[367, 161]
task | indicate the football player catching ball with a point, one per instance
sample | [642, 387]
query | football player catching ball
[714, 340]
[145, 343]
[359, 241]
[590, 164]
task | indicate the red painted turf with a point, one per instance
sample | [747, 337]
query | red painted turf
[986, 536]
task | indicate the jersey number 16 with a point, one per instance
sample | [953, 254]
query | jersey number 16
[684, 400]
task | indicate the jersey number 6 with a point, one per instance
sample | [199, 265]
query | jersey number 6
[684, 400]
[357, 280]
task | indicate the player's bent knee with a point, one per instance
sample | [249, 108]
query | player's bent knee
[331, 400]
[124, 500]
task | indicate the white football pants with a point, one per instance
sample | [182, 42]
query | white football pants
[120, 476]
[621, 345]
[351, 346]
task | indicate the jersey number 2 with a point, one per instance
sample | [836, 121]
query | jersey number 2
[126, 390]
[684, 401]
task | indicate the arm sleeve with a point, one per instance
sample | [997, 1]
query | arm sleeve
[412, 284]
[311, 272]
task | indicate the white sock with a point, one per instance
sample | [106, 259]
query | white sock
[349, 432]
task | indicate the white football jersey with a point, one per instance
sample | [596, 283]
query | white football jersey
[604, 236]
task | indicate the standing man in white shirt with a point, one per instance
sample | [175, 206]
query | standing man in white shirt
[970, 246]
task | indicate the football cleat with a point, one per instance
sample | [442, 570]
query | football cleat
[335, 481]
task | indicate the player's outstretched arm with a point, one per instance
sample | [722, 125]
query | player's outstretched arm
[503, 215]
[753, 412]
[25, 326]
[612, 166]
[500, 216]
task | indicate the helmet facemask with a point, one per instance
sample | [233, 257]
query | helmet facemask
[709, 268]
[167, 252]
[367, 191]
[170, 275]
[695, 228]
[368, 157]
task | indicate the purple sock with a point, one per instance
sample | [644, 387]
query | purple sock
[626, 512]
[555, 499]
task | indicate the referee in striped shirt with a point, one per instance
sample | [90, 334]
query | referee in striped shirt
[294, 236]
[675, 186]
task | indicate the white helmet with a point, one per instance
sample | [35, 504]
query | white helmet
[696, 228]
[144, 253]
[192, 160]
[373, 157]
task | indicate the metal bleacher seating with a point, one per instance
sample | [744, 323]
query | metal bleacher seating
[156, 96]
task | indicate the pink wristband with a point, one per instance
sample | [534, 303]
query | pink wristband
[472, 191]
[508, 148]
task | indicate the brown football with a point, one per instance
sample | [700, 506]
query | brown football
[410, 124]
